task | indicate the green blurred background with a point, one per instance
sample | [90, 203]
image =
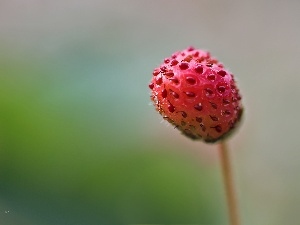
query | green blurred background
[80, 143]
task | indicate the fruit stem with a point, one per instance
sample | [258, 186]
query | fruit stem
[228, 183]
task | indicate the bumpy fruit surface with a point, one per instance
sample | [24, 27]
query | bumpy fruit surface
[194, 92]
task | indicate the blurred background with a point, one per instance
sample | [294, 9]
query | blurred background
[80, 143]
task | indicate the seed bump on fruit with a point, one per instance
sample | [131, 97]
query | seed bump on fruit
[174, 80]
[226, 102]
[199, 69]
[199, 119]
[218, 128]
[188, 58]
[174, 62]
[190, 80]
[190, 94]
[227, 112]
[209, 92]
[211, 77]
[198, 107]
[175, 95]
[164, 93]
[156, 72]
[200, 60]
[191, 48]
[151, 85]
[163, 68]
[158, 80]
[214, 118]
[214, 105]
[171, 108]
[221, 73]
[169, 74]
[183, 113]
[202, 127]
[184, 65]
[221, 89]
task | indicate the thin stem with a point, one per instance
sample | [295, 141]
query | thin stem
[229, 187]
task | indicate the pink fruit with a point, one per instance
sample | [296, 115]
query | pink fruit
[194, 92]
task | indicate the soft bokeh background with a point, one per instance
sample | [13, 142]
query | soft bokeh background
[80, 144]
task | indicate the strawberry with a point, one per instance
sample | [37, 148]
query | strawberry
[194, 92]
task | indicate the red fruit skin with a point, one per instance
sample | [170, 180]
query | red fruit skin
[194, 92]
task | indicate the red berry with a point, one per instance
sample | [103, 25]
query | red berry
[197, 95]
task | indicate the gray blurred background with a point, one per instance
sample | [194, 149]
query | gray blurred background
[80, 143]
